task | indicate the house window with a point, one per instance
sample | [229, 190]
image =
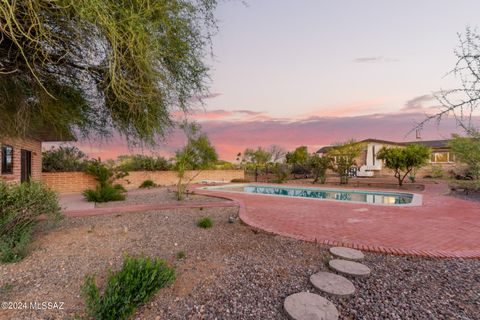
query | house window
[442, 157]
[7, 159]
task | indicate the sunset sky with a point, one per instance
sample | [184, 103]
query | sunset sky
[312, 72]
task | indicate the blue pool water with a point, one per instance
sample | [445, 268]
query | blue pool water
[372, 197]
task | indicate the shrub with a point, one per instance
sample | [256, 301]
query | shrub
[104, 194]
[63, 159]
[281, 172]
[205, 223]
[181, 255]
[148, 184]
[105, 190]
[240, 180]
[143, 163]
[436, 171]
[20, 207]
[138, 280]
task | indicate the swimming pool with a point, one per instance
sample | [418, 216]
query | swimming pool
[356, 196]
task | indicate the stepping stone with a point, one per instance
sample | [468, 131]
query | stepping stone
[347, 253]
[349, 268]
[309, 306]
[333, 284]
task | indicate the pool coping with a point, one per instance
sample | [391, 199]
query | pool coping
[417, 199]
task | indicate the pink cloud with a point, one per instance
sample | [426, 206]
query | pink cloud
[230, 135]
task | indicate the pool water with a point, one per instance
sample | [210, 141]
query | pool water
[371, 197]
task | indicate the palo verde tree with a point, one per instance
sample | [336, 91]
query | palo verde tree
[98, 66]
[197, 154]
[343, 155]
[404, 160]
[256, 159]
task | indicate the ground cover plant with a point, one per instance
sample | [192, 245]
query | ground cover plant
[20, 207]
[138, 280]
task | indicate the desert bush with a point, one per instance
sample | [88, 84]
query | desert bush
[240, 180]
[63, 159]
[20, 207]
[148, 184]
[106, 190]
[143, 163]
[205, 223]
[436, 171]
[138, 280]
[281, 172]
[181, 255]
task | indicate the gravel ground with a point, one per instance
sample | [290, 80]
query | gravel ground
[230, 272]
[152, 196]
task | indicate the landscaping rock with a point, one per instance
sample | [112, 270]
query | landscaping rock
[347, 253]
[350, 268]
[309, 306]
[332, 284]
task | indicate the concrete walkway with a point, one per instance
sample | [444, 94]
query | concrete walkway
[443, 226]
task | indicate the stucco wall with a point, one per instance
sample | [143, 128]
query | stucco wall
[27, 144]
[71, 182]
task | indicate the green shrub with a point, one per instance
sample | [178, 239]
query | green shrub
[181, 255]
[104, 194]
[143, 163]
[63, 159]
[240, 180]
[20, 207]
[205, 223]
[148, 184]
[138, 280]
[436, 171]
[281, 173]
[106, 190]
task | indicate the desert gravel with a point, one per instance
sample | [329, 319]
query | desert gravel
[230, 272]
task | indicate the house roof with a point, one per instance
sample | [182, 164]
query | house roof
[434, 144]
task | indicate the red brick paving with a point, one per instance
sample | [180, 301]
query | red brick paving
[442, 226]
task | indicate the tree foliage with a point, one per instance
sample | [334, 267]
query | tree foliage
[140, 162]
[298, 159]
[256, 160]
[467, 150]
[319, 166]
[94, 66]
[403, 160]
[343, 155]
[63, 159]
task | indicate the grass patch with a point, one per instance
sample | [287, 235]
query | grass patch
[148, 184]
[181, 255]
[205, 223]
[138, 280]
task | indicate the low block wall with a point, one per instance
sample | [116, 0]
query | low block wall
[72, 182]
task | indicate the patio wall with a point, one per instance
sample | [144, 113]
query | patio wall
[72, 182]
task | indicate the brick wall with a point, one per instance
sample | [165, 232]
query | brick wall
[27, 144]
[72, 182]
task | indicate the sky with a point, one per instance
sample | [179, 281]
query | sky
[316, 72]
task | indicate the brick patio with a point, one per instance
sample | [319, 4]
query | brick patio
[443, 226]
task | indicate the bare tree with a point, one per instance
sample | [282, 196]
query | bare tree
[278, 153]
[463, 101]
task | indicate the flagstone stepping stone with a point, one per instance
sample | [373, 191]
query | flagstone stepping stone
[333, 284]
[350, 268]
[309, 306]
[347, 253]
